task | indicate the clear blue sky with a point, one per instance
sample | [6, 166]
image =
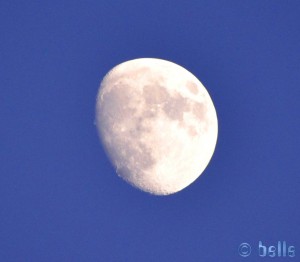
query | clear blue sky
[60, 199]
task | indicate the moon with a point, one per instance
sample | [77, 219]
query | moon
[157, 123]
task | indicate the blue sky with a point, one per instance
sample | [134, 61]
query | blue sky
[60, 199]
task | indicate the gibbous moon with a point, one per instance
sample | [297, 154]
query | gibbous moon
[157, 123]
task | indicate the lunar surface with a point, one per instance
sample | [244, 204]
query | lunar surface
[157, 123]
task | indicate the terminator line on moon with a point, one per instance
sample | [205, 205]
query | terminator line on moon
[157, 123]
